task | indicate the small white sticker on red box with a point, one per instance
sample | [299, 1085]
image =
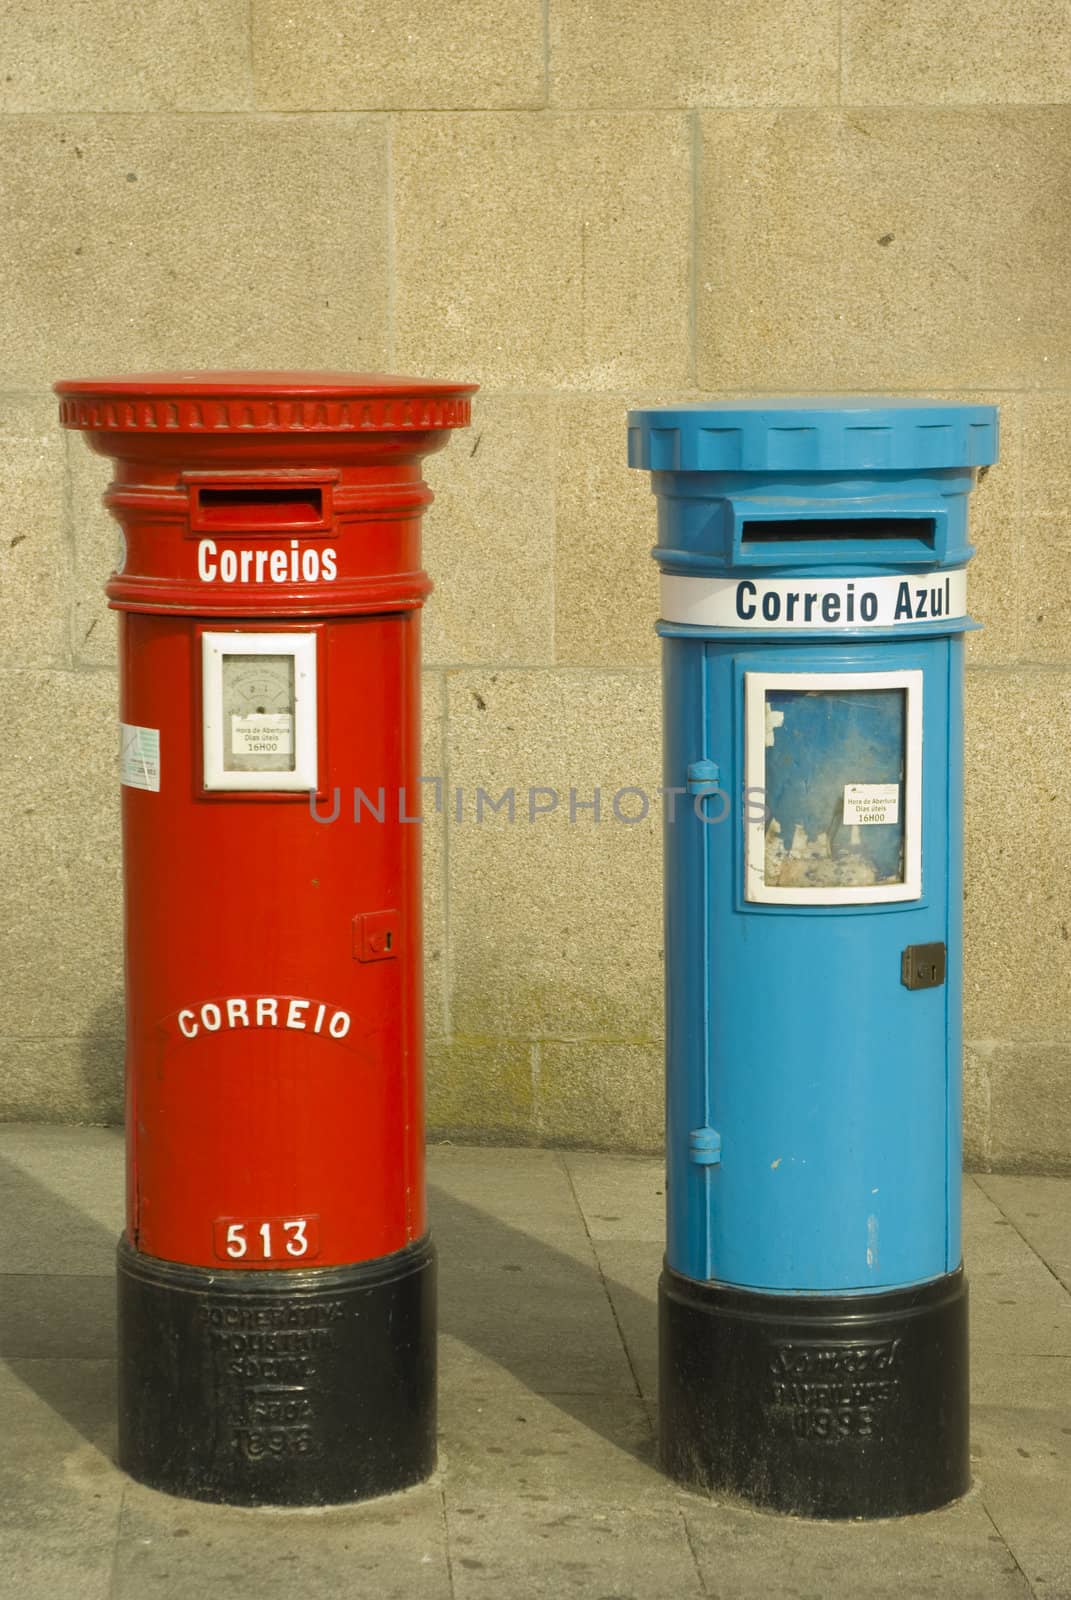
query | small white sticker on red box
[139, 757]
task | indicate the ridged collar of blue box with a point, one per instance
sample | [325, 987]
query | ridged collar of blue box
[849, 434]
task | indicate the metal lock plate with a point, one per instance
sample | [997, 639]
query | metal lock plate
[375, 935]
[922, 966]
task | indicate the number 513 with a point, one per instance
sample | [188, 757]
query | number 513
[256, 1240]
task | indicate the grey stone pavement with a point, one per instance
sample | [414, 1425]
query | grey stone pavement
[546, 1484]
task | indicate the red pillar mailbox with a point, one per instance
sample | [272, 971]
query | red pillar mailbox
[276, 1278]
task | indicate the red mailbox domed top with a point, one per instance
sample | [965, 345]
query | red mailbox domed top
[262, 402]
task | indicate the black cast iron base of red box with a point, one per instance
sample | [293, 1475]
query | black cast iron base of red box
[287, 1388]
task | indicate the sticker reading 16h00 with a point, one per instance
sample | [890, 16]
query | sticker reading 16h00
[254, 1241]
[268, 733]
[871, 804]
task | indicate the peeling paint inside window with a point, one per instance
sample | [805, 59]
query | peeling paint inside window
[830, 752]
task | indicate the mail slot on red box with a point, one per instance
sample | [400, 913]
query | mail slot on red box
[277, 1312]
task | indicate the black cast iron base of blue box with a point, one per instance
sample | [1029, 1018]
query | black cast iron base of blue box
[818, 1405]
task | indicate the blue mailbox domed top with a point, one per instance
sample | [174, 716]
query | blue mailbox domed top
[812, 434]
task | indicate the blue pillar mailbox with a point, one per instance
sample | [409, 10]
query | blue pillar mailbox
[813, 1308]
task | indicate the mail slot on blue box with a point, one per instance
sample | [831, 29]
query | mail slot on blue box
[813, 1309]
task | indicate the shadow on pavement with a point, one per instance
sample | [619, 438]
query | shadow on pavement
[542, 1315]
[57, 1329]
[532, 1309]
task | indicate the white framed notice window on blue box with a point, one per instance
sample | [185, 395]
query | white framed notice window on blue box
[838, 757]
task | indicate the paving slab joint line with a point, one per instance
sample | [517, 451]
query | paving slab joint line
[993, 1523]
[1014, 1226]
[446, 1539]
[703, 1590]
[113, 1577]
[605, 1286]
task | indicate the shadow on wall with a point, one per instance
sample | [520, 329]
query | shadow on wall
[520, 1303]
[101, 1066]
